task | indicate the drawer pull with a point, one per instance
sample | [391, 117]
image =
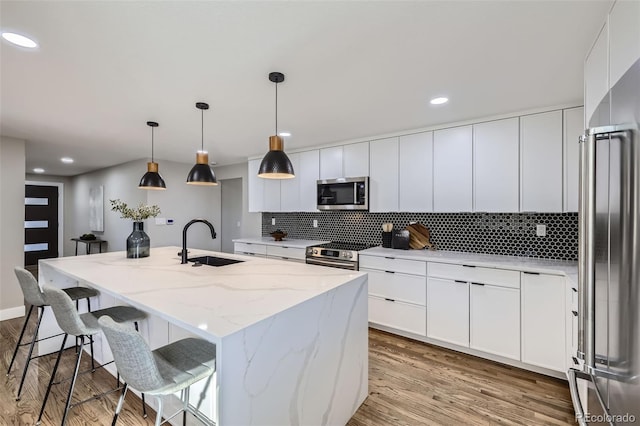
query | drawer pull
[477, 283]
[285, 258]
[575, 360]
[575, 290]
[460, 281]
[250, 254]
[531, 273]
[389, 257]
[390, 272]
[575, 314]
[469, 266]
[389, 300]
[285, 247]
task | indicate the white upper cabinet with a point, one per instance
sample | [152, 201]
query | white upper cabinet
[331, 162]
[452, 170]
[355, 160]
[344, 161]
[495, 166]
[271, 201]
[596, 73]
[573, 128]
[383, 178]
[290, 188]
[541, 162]
[255, 187]
[415, 191]
[624, 38]
[309, 173]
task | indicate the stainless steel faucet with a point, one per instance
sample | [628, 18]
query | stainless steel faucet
[184, 235]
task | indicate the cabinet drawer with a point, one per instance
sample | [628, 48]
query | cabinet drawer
[397, 286]
[247, 248]
[398, 315]
[498, 277]
[390, 263]
[288, 259]
[284, 251]
[246, 253]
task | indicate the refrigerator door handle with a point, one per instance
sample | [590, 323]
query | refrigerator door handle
[627, 133]
[572, 375]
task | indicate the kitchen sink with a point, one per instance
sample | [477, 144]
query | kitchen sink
[213, 261]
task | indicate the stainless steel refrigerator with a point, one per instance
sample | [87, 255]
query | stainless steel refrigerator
[608, 360]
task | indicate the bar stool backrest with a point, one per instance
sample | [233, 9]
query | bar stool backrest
[65, 312]
[134, 359]
[30, 287]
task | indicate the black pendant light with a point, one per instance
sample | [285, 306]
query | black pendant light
[201, 173]
[152, 179]
[276, 164]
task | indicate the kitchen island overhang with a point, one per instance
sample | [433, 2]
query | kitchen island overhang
[291, 338]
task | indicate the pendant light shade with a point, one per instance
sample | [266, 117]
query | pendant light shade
[152, 179]
[276, 164]
[201, 173]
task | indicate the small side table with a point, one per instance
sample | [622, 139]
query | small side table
[88, 243]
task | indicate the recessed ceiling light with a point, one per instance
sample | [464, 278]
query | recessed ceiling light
[19, 40]
[38, 170]
[67, 160]
[439, 101]
[284, 134]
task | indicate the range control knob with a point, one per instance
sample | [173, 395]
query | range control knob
[348, 255]
[315, 251]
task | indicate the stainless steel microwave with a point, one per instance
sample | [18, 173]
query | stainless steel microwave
[343, 193]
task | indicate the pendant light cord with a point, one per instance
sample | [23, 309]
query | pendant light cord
[152, 144]
[276, 108]
[202, 130]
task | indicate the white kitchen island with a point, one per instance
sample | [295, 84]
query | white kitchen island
[291, 339]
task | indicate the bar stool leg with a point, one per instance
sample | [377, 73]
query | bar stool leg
[24, 328]
[33, 341]
[120, 404]
[73, 382]
[159, 411]
[53, 376]
[186, 406]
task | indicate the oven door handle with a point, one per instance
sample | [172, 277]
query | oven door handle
[344, 265]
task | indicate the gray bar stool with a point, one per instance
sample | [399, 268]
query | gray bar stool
[34, 297]
[166, 370]
[80, 326]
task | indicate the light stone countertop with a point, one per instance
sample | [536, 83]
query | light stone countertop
[566, 268]
[269, 241]
[220, 300]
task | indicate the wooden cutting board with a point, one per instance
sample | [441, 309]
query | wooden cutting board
[420, 237]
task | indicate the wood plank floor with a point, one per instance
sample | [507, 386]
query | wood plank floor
[410, 383]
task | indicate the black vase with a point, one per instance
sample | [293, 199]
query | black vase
[138, 243]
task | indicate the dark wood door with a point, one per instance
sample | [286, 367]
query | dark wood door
[40, 223]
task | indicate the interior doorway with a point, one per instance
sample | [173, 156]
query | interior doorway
[42, 222]
[231, 212]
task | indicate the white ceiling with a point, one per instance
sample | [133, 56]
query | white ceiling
[353, 69]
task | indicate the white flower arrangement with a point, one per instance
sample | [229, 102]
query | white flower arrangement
[137, 214]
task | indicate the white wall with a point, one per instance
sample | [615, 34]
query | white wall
[179, 201]
[12, 172]
[251, 224]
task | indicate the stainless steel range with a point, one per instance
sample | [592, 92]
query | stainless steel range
[336, 254]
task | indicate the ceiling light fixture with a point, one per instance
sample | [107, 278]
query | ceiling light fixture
[38, 170]
[67, 160]
[201, 173]
[439, 101]
[152, 179]
[276, 164]
[284, 134]
[19, 40]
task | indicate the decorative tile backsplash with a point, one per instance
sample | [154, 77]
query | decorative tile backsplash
[512, 234]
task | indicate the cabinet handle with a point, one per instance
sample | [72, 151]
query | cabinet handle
[390, 272]
[285, 258]
[575, 290]
[389, 300]
[575, 314]
[460, 281]
[575, 360]
[389, 257]
[531, 273]
[250, 254]
[469, 266]
[285, 247]
[477, 283]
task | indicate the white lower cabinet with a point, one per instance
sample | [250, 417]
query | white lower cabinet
[543, 321]
[397, 293]
[495, 320]
[448, 310]
[474, 307]
[250, 249]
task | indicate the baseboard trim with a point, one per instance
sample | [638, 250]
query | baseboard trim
[10, 313]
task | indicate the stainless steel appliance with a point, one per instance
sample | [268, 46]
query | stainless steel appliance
[608, 355]
[336, 254]
[343, 194]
